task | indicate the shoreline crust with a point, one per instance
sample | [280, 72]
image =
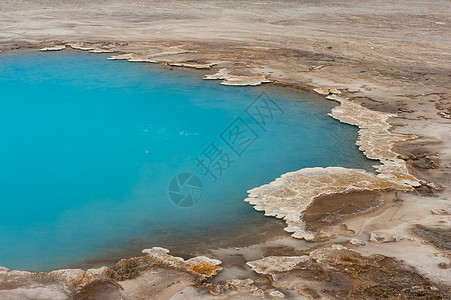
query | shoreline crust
[289, 196]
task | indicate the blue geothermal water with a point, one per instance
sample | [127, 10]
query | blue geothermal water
[90, 150]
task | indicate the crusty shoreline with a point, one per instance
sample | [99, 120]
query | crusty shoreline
[390, 59]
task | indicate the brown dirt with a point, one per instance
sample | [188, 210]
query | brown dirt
[440, 238]
[327, 213]
[349, 275]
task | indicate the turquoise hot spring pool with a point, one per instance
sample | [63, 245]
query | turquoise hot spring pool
[96, 153]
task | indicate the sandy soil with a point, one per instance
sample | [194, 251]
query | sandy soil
[388, 56]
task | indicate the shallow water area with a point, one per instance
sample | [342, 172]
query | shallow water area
[89, 149]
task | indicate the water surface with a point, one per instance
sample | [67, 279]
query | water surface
[89, 146]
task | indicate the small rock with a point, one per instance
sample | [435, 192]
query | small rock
[375, 238]
[56, 48]
[215, 291]
[335, 91]
[358, 242]
[397, 238]
[439, 211]
[443, 265]
[338, 247]
[155, 250]
[444, 115]
[277, 295]
[258, 293]
[322, 91]
[317, 67]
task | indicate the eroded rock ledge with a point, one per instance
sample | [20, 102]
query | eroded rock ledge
[337, 272]
[229, 79]
[55, 48]
[375, 139]
[174, 56]
[289, 196]
[129, 277]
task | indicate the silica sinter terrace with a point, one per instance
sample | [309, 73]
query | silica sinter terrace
[96, 153]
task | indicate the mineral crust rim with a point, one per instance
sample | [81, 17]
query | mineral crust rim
[288, 196]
